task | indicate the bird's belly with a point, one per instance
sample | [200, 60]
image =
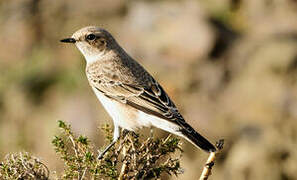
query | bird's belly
[123, 115]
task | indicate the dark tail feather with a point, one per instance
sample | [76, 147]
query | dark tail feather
[197, 139]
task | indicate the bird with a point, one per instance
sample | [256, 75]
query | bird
[129, 93]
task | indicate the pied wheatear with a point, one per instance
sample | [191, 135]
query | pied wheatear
[131, 96]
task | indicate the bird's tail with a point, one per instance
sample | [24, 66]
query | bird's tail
[195, 138]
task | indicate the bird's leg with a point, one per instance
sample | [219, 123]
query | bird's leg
[100, 156]
[116, 135]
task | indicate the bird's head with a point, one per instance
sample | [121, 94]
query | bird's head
[93, 42]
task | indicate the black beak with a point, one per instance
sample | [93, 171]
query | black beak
[68, 40]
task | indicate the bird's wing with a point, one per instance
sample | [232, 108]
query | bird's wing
[152, 100]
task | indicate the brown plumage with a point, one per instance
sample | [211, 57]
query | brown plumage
[127, 91]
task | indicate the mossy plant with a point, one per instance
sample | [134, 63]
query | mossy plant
[130, 158]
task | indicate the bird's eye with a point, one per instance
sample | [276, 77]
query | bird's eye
[91, 37]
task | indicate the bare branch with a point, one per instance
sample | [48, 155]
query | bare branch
[206, 172]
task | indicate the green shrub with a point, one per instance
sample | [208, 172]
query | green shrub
[129, 158]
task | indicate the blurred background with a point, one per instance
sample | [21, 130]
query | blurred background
[229, 65]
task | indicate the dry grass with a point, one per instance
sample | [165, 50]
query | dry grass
[23, 166]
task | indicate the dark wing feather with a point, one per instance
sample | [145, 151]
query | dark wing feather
[152, 100]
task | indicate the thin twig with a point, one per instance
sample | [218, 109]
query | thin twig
[84, 172]
[206, 172]
[124, 166]
[125, 150]
[74, 145]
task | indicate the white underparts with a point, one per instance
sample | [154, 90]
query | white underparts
[129, 118]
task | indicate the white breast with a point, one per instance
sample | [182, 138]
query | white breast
[110, 106]
[130, 118]
[123, 115]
